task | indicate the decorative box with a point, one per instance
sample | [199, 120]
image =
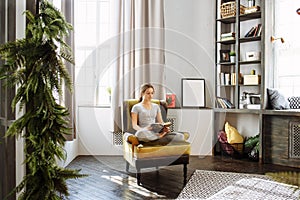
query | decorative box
[252, 9]
[252, 79]
[252, 55]
[171, 100]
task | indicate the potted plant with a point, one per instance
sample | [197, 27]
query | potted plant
[109, 93]
[36, 65]
[232, 56]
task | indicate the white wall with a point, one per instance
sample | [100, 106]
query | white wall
[190, 43]
[95, 125]
[198, 123]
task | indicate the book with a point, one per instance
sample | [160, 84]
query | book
[250, 32]
[254, 31]
[233, 78]
[224, 103]
[220, 103]
[225, 35]
[259, 30]
[227, 38]
[158, 127]
[227, 78]
[228, 103]
[222, 78]
[171, 100]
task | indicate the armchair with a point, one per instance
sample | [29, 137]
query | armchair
[152, 154]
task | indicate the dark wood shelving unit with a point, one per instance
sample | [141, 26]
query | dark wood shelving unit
[233, 92]
[275, 127]
[233, 24]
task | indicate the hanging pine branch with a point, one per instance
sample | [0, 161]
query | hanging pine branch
[36, 65]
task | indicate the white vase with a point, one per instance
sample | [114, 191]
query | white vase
[232, 58]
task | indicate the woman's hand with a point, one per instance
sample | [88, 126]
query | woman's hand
[166, 129]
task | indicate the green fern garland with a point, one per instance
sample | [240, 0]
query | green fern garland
[36, 65]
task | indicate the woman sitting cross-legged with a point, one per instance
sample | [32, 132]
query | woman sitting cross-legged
[145, 113]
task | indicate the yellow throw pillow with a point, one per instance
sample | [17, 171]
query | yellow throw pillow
[232, 134]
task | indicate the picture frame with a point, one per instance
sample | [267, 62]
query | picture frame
[224, 56]
[193, 92]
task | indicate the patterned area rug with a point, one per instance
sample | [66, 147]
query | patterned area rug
[227, 185]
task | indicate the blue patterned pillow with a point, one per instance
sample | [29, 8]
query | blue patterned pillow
[277, 100]
[294, 102]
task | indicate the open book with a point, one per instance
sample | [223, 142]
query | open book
[158, 127]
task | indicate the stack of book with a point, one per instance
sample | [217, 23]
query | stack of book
[255, 31]
[227, 78]
[252, 9]
[228, 36]
[224, 103]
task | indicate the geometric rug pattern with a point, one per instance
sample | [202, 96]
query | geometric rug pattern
[228, 185]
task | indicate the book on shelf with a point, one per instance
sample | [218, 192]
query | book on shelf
[255, 31]
[227, 36]
[233, 79]
[227, 78]
[230, 34]
[259, 30]
[252, 9]
[224, 103]
[221, 79]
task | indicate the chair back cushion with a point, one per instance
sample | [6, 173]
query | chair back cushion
[129, 103]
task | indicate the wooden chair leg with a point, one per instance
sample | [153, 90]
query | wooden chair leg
[127, 166]
[184, 173]
[138, 176]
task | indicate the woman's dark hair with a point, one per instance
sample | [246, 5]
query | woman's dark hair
[145, 87]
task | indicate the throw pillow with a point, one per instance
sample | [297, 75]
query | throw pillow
[233, 136]
[277, 100]
[227, 148]
[294, 102]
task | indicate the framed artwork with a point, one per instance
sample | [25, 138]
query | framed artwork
[193, 92]
[224, 56]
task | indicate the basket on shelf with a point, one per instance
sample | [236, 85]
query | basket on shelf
[235, 150]
[229, 9]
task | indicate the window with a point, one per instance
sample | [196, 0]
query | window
[286, 55]
[93, 27]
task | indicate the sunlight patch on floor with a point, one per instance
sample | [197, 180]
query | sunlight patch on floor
[132, 185]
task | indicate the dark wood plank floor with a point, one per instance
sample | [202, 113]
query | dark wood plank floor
[108, 180]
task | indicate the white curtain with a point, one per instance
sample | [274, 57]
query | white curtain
[139, 51]
[67, 8]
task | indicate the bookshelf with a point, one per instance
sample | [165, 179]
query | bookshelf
[236, 81]
[242, 34]
[273, 126]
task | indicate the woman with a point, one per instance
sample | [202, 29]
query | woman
[146, 113]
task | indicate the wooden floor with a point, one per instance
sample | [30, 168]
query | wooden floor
[108, 180]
